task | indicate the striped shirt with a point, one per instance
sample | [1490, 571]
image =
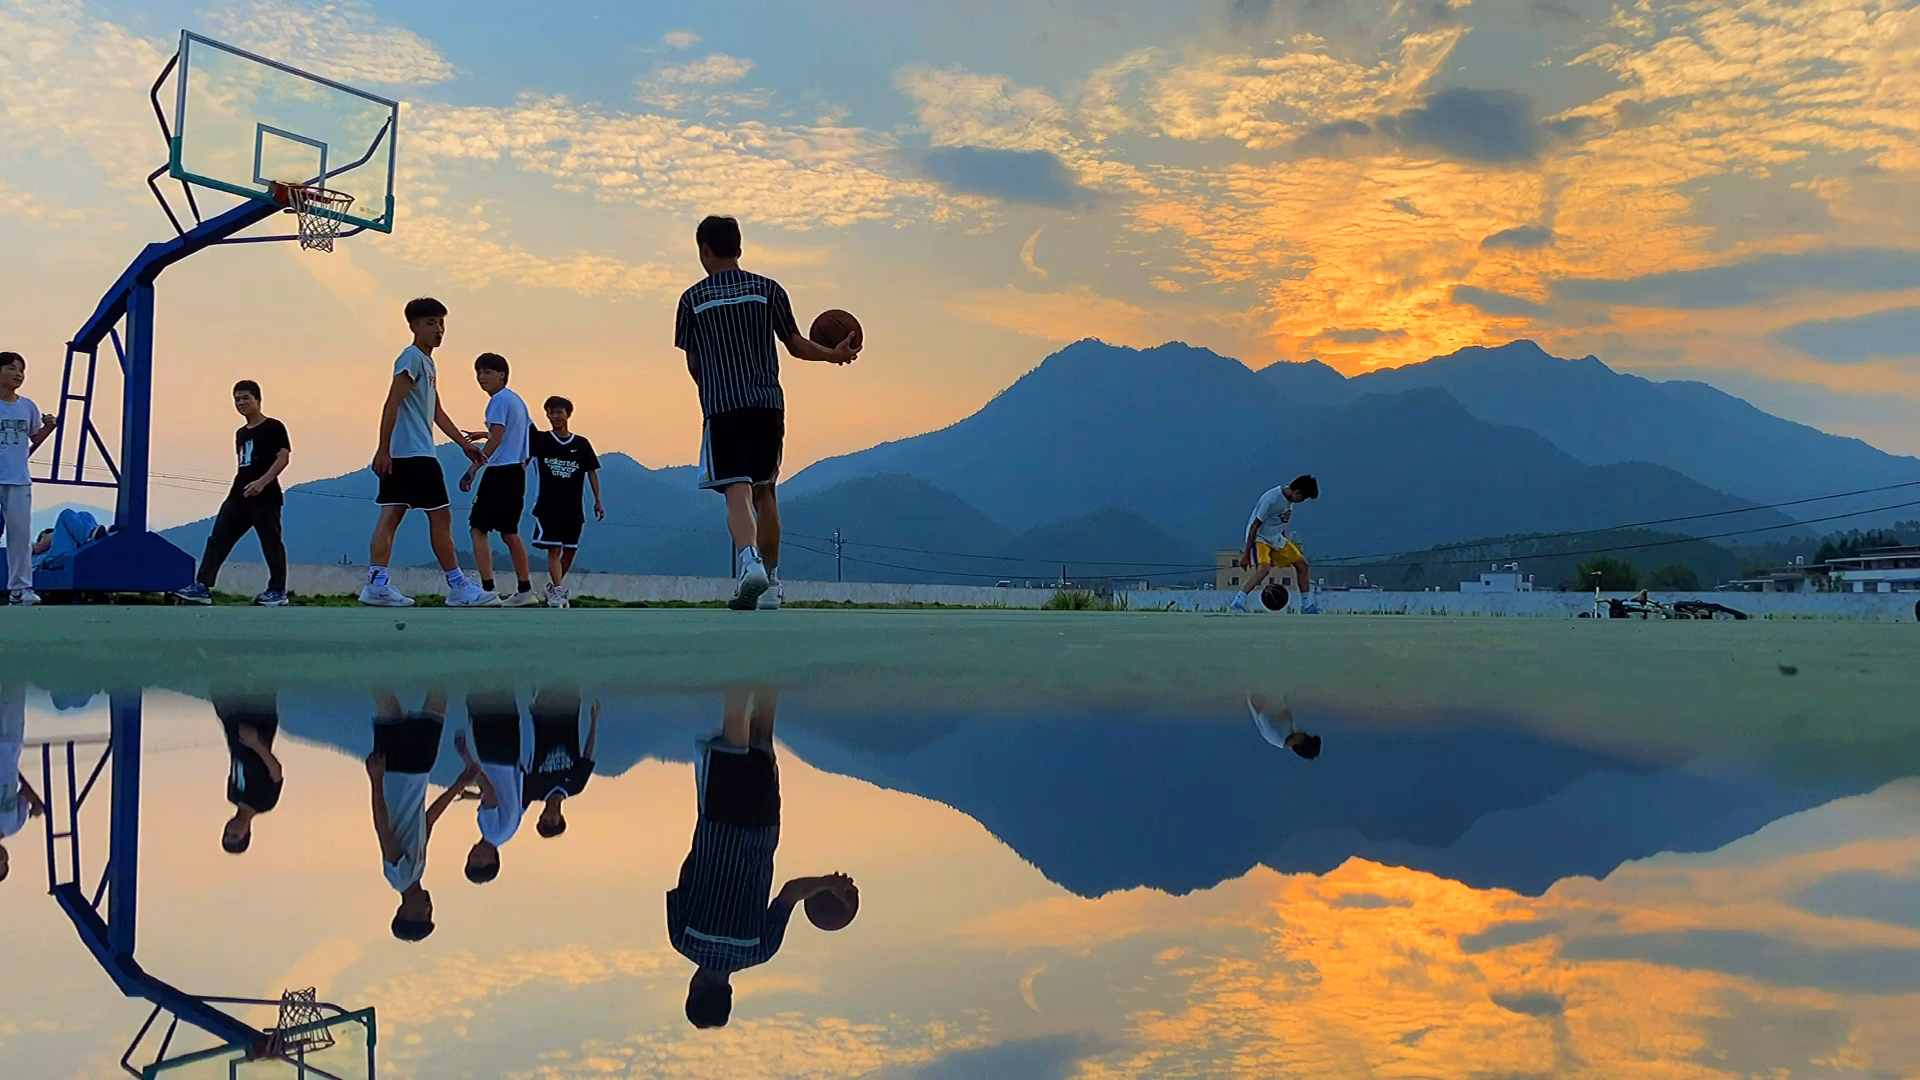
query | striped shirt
[729, 324]
[720, 916]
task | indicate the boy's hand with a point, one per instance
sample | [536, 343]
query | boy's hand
[847, 351]
[473, 453]
[468, 775]
[839, 884]
[248, 736]
[1246, 559]
[377, 765]
[599, 512]
[466, 482]
[382, 462]
[476, 436]
[48, 422]
[253, 490]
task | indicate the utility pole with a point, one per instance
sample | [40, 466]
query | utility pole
[838, 543]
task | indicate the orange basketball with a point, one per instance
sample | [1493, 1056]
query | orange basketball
[833, 327]
[829, 912]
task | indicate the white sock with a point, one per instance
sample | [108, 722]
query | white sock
[455, 578]
[376, 575]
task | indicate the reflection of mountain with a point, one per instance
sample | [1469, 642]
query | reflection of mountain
[1102, 804]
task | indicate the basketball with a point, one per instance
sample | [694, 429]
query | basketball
[832, 327]
[828, 912]
[1274, 596]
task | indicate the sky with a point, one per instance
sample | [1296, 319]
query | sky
[1722, 190]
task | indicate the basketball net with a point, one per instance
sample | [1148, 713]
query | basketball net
[321, 212]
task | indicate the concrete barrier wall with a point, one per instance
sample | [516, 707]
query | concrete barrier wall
[346, 580]
[628, 588]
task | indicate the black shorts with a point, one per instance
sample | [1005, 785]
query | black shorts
[739, 785]
[742, 447]
[495, 717]
[411, 744]
[557, 531]
[415, 483]
[502, 495]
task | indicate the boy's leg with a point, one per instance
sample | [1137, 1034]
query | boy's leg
[766, 512]
[440, 531]
[566, 561]
[16, 506]
[736, 723]
[740, 523]
[517, 551]
[556, 565]
[482, 557]
[273, 547]
[1300, 575]
[380, 550]
[760, 717]
[229, 526]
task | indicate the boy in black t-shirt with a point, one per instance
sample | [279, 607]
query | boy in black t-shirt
[254, 779]
[566, 463]
[263, 450]
[558, 769]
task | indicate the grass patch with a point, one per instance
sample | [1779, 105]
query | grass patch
[1083, 600]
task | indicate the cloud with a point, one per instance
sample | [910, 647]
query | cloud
[462, 252]
[1756, 280]
[1533, 1003]
[1519, 238]
[1862, 969]
[1034, 177]
[1494, 126]
[964, 108]
[680, 39]
[1026, 256]
[717, 69]
[1497, 304]
[1361, 336]
[1889, 333]
[341, 39]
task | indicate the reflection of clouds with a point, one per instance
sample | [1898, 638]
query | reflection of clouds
[788, 1045]
[449, 987]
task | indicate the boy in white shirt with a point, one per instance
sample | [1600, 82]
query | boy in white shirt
[494, 716]
[405, 747]
[1270, 543]
[18, 802]
[410, 476]
[503, 487]
[23, 427]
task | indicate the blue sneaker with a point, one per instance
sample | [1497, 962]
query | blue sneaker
[1238, 604]
[270, 598]
[1310, 608]
[195, 593]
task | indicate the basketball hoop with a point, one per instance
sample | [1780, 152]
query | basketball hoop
[299, 1031]
[321, 212]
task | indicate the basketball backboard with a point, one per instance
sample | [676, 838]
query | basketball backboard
[243, 122]
[336, 1048]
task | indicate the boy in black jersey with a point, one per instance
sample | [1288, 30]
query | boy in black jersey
[253, 504]
[566, 464]
[558, 768]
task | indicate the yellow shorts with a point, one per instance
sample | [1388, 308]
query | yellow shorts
[1286, 555]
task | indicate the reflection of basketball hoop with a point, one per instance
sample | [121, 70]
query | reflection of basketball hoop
[300, 1031]
[321, 211]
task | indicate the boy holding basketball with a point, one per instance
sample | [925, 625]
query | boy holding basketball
[1270, 542]
[728, 324]
[410, 476]
[719, 916]
[566, 463]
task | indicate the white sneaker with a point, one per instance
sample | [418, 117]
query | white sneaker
[557, 597]
[752, 583]
[523, 599]
[384, 595]
[775, 595]
[468, 594]
[23, 598]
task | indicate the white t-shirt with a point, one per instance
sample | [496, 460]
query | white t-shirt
[506, 409]
[18, 422]
[499, 823]
[13, 737]
[1273, 516]
[413, 428]
[406, 795]
[1271, 721]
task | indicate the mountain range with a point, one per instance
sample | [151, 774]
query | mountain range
[1135, 462]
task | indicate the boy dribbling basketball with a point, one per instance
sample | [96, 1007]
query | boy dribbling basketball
[1270, 543]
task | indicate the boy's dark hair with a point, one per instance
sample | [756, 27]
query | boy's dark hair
[250, 387]
[1306, 485]
[8, 359]
[557, 828]
[491, 361]
[483, 873]
[237, 847]
[720, 235]
[558, 402]
[412, 929]
[1308, 747]
[709, 1005]
[425, 307]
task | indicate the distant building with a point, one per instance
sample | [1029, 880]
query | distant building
[1226, 568]
[1500, 579]
[1891, 569]
[1794, 577]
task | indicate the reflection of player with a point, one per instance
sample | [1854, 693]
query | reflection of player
[1269, 542]
[18, 802]
[405, 746]
[495, 719]
[719, 916]
[1275, 723]
[558, 768]
[254, 779]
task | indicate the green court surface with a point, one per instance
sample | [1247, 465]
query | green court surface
[1841, 680]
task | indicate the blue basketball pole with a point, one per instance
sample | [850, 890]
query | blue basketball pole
[136, 413]
[123, 863]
